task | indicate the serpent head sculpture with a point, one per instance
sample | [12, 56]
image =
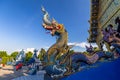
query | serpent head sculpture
[58, 30]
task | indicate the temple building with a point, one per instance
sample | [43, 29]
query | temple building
[103, 13]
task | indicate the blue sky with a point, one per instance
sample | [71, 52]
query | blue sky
[21, 20]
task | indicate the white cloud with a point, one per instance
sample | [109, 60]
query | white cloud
[30, 49]
[82, 44]
[26, 50]
[18, 50]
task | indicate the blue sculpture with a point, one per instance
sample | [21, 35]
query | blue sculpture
[20, 57]
[32, 64]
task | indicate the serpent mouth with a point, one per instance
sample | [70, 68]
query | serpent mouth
[50, 29]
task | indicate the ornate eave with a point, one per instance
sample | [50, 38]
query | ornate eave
[93, 31]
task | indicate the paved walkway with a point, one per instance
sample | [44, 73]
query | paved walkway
[38, 76]
[30, 77]
[9, 72]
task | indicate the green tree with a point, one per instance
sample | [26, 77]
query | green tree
[3, 54]
[71, 51]
[42, 54]
[6, 59]
[14, 54]
[28, 55]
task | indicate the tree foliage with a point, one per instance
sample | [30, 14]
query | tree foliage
[3, 54]
[14, 54]
[6, 59]
[71, 51]
[28, 55]
[42, 54]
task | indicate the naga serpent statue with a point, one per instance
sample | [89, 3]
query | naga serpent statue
[73, 61]
[67, 62]
[56, 29]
